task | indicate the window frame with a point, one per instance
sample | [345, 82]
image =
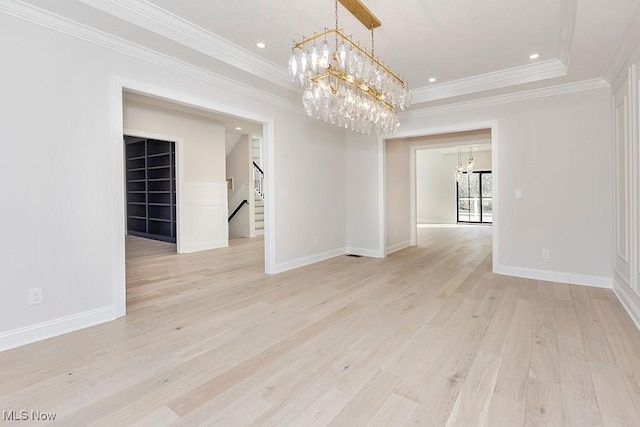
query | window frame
[465, 174]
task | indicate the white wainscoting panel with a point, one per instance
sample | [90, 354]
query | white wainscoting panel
[204, 216]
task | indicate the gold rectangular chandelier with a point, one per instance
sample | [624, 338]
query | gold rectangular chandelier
[343, 83]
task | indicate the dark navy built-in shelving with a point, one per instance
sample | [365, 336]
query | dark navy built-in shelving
[151, 188]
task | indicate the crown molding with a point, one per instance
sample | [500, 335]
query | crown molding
[163, 23]
[567, 24]
[630, 41]
[585, 85]
[66, 26]
[494, 80]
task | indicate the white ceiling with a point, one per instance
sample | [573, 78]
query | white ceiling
[473, 48]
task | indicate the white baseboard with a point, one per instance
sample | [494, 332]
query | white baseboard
[373, 253]
[52, 328]
[555, 276]
[398, 246]
[311, 259]
[204, 246]
[629, 300]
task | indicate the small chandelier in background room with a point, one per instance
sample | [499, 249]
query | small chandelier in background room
[459, 168]
[470, 162]
[343, 83]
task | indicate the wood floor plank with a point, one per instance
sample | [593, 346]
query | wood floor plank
[427, 336]
[580, 407]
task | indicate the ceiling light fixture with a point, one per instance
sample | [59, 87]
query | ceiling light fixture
[238, 128]
[459, 168]
[534, 56]
[432, 79]
[261, 45]
[470, 163]
[348, 86]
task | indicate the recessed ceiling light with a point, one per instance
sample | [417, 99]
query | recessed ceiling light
[534, 56]
[261, 45]
[432, 79]
[238, 128]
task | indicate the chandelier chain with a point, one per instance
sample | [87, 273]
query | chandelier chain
[373, 51]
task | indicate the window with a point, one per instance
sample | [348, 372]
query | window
[474, 198]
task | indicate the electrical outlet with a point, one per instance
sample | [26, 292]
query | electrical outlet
[546, 254]
[35, 296]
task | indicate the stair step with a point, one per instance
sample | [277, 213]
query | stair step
[259, 209]
[259, 217]
[259, 225]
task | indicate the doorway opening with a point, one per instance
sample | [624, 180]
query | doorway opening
[425, 162]
[192, 214]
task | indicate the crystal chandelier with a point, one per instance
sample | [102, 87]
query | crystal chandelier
[459, 168]
[348, 86]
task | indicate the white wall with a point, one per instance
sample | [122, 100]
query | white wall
[238, 162]
[397, 191]
[363, 197]
[62, 216]
[202, 207]
[558, 151]
[436, 183]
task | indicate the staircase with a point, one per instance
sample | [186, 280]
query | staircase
[258, 195]
[258, 216]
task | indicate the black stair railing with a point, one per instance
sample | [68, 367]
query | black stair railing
[244, 202]
[258, 180]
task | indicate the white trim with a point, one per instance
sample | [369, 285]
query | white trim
[555, 276]
[179, 176]
[205, 246]
[630, 41]
[497, 79]
[398, 247]
[268, 165]
[567, 25]
[382, 198]
[167, 25]
[373, 253]
[84, 32]
[507, 98]
[52, 328]
[311, 259]
[413, 202]
[629, 301]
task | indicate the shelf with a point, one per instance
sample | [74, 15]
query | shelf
[158, 155]
[159, 179]
[160, 204]
[159, 167]
[136, 158]
[159, 192]
[136, 180]
[138, 217]
[159, 220]
[137, 192]
[136, 169]
[138, 203]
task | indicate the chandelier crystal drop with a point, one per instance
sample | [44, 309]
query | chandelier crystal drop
[345, 85]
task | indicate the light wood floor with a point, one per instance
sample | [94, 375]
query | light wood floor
[428, 336]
